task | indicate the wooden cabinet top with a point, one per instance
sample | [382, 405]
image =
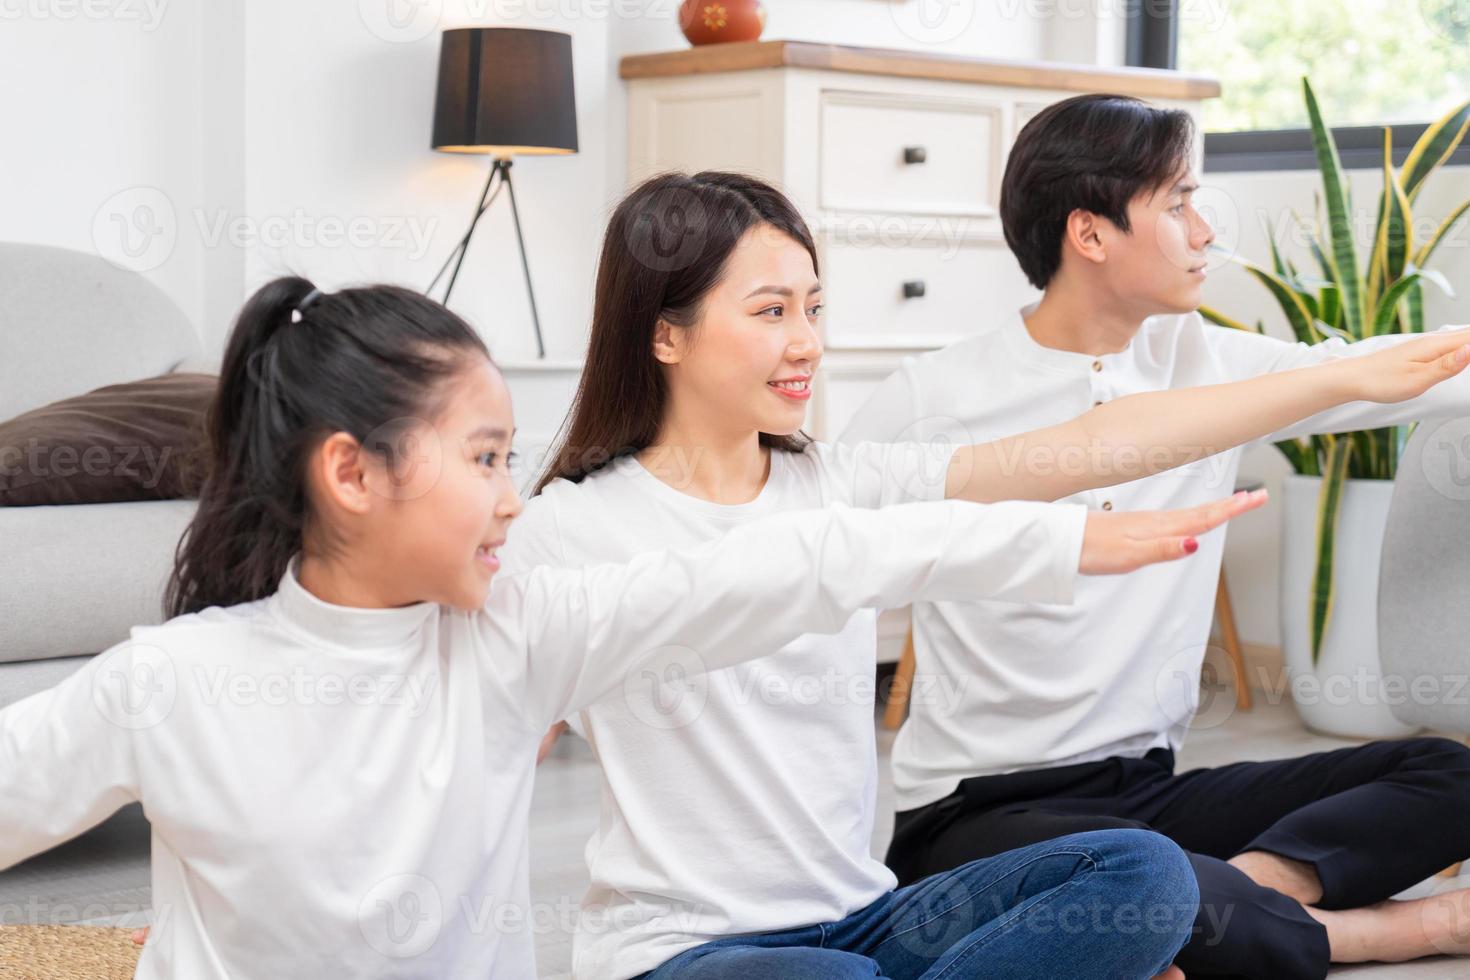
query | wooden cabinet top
[1147, 83]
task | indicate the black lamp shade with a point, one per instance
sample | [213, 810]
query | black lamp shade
[505, 91]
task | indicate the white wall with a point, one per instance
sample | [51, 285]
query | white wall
[103, 127]
[249, 140]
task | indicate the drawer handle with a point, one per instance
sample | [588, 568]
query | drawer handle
[913, 289]
[915, 154]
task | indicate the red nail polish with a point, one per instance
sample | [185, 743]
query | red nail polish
[1190, 546]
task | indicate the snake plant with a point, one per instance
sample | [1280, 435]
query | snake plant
[1353, 301]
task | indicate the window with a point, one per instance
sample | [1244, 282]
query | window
[1371, 62]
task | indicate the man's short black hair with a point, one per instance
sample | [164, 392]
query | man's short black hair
[1094, 152]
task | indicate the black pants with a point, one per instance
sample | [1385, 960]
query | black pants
[1372, 820]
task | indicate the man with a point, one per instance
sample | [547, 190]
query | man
[1069, 717]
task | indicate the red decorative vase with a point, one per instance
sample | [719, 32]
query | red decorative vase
[716, 21]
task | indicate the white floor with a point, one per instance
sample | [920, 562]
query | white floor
[564, 814]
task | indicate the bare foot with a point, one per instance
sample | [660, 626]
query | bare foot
[1392, 931]
[1447, 922]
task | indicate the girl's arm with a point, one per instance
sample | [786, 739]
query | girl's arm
[66, 754]
[1140, 435]
[576, 636]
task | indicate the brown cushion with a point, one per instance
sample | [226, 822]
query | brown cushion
[144, 440]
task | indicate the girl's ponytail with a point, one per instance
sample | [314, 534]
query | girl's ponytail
[300, 365]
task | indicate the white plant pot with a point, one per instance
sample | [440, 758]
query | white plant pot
[1342, 694]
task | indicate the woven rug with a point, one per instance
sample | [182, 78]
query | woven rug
[67, 953]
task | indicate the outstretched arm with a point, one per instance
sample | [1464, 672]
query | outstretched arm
[66, 754]
[1148, 433]
[1250, 354]
[571, 637]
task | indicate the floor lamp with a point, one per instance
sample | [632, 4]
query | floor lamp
[504, 92]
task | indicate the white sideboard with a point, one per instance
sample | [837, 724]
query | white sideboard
[894, 157]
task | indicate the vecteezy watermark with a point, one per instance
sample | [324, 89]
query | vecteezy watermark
[406, 21]
[134, 914]
[1290, 228]
[404, 915]
[1448, 18]
[498, 11]
[1209, 15]
[138, 229]
[668, 690]
[412, 454]
[1446, 457]
[1366, 687]
[1021, 456]
[147, 14]
[400, 21]
[134, 685]
[1445, 921]
[669, 232]
[1217, 208]
[40, 461]
[899, 231]
[755, 683]
[969, 905]
[401, 916]
[222, 684]
[932, 21]
[407, 233]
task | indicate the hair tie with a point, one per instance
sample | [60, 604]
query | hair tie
[306, 301]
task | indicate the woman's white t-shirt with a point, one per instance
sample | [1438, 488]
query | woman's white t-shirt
[743, 800]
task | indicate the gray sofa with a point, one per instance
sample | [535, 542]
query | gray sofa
[77, 577]
[1423, 618]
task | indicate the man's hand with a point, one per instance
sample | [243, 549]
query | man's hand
[1409, 369]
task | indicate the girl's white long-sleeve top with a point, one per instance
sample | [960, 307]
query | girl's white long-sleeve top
[341, 792]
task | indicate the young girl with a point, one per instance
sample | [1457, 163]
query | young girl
[742, 846]
[334, 737]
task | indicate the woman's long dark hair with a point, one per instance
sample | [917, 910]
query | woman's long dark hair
[360, 361]
[666, 247]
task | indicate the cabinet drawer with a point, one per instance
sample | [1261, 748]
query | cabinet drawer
[917, 295]
[909, 154]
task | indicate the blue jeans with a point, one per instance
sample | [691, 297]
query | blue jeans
[1111, 904]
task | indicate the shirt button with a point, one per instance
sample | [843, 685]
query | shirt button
[1107, 505]
[1097, 365]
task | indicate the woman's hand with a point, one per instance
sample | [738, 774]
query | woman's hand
[1408, 370]
[1116, 542]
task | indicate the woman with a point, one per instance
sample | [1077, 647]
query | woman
[738, 806]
